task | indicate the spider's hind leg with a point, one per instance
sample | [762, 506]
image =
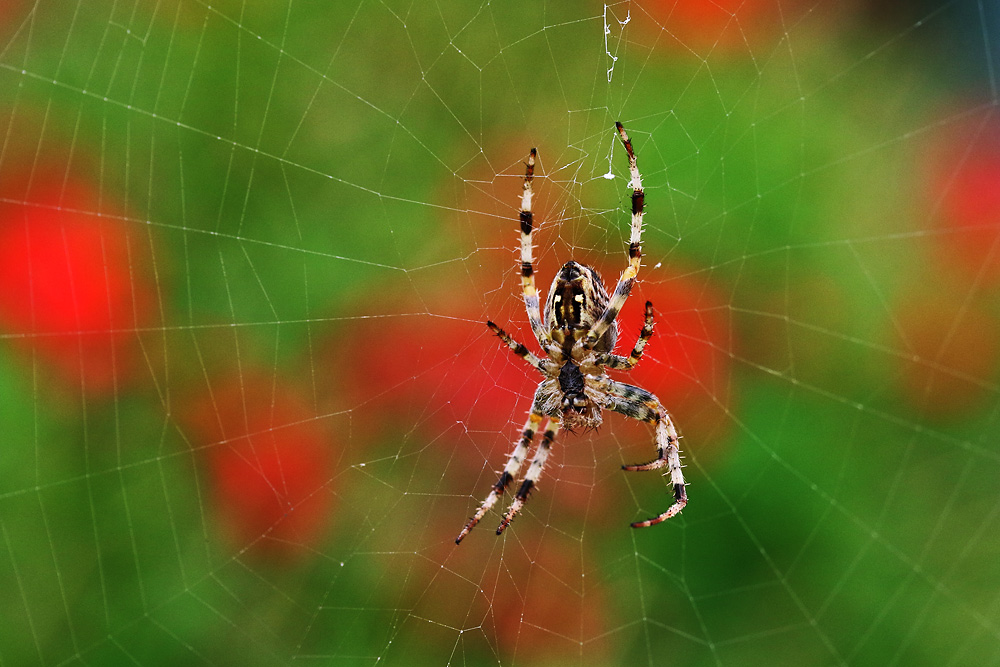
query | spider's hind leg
[640, 404]
[509, 472]
[534, 472]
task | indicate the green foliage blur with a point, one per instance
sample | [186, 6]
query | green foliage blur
[262, 451]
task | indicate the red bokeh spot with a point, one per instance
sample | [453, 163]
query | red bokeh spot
[953, 337]
[429, 362]
[72, 283]
[441, 371]
[269, 461]
[965, 179]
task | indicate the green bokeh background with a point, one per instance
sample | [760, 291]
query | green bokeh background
[294, 166]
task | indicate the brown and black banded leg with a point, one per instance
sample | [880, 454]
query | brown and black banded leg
[509, 472]
[526, 217]
[640, 404]
[534, 472]
[628, 277]
[627, 363]
[517, 348]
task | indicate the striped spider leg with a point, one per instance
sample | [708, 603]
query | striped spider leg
[627, 280]
[632, 360]
[526, 216]
[517, 457]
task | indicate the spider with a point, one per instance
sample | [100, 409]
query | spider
[578, 337]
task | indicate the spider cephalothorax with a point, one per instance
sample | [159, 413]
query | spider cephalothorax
[578, 335]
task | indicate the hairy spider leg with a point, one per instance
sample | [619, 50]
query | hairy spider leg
[531, 303]
[509, 472]
[534, 472]
[624, 364]
[627, 280]
[640, 404]
[517, 348]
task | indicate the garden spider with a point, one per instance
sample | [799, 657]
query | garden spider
[578, 337]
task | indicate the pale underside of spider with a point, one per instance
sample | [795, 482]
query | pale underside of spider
[578, 334]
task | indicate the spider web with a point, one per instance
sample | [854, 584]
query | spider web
[249, 401]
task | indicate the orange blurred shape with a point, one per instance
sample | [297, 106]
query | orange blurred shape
[538, 599]
[687, 362]
[965, 175]
[729, 26]
[270, 465]
[545, 611]
[73, 284]
[954, 350]
[439, 371]
[11, 15]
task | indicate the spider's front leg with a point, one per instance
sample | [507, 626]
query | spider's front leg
[517, 348]
[640, 404]
[628, 277]
[526, 216]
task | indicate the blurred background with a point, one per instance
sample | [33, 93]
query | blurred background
[248, 401]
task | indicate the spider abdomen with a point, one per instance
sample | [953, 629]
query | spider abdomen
[577, 300]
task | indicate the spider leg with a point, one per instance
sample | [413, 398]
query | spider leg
[628, 277]
[527, 268]
[627, 363]
[517, 348]
[534, 472]
[514, 461]
[638, 403]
